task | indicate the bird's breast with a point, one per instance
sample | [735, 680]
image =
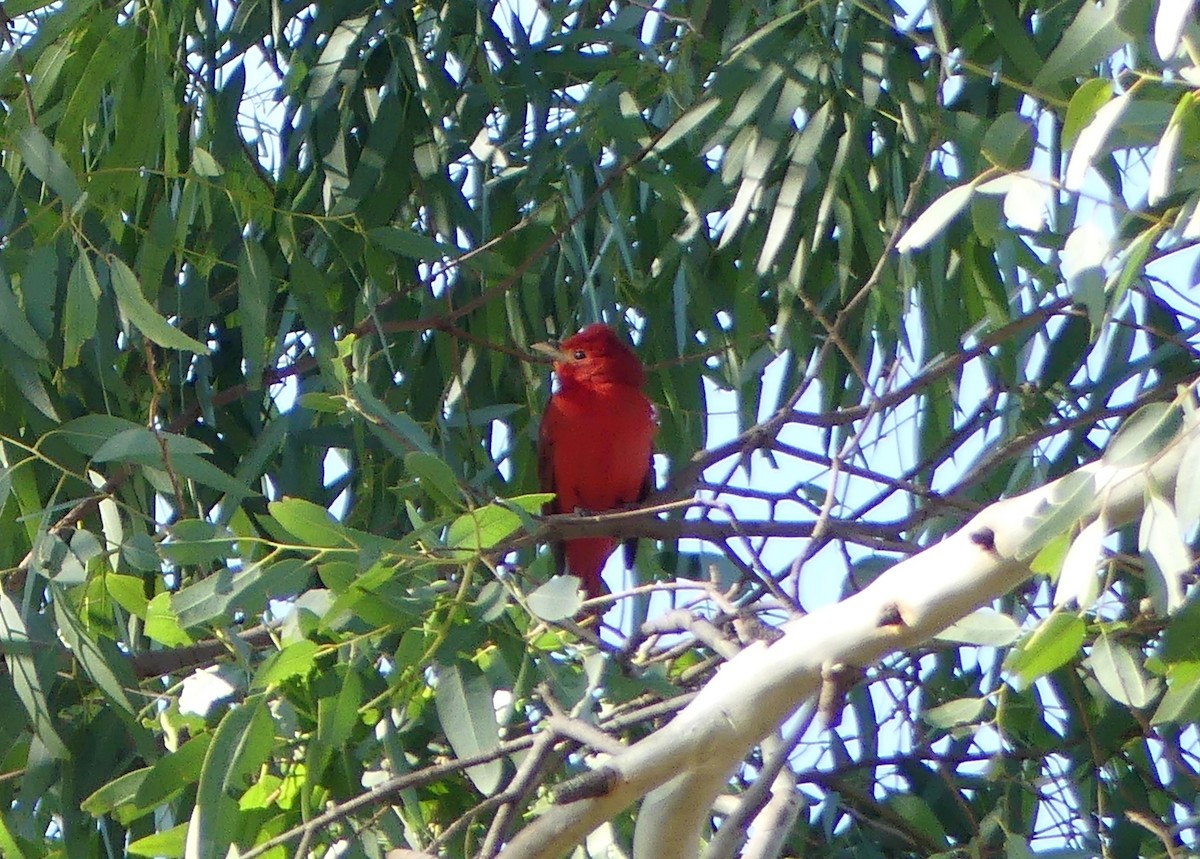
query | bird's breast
[602, 446]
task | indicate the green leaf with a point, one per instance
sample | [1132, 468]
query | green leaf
[296, 660]
[1181, 704]
[1162, 171]
[196, 541]
[139, 444]
[162, 624]
[23, 7]
[1079, 579]
[141, 552]
[1018, 847]
[464, 705]
[100, 660]
[397, 430]
[14, 324]
[118, 792]
[984, 627]
[88, 434]
[1187, 485]
[410, 244]
[961, 711]
[1092, 140]
[1181, 639]
[918, 815]
[27, 376]
[141, 313]
[1093, 36]
[1143, 435]
[40, 290]
[55, 560]
[254, 298]
[8, 843]
[337, 717]
[204, 164]
[201, 470]
[242, 742]
[19, 653]
[44, 162]
[1066, 353]
[1070, 498]
[1089, 98]
[1024, 60]
[129, 593]
[930, 223]
[227, 591]
[557, 599]
[482, 528]
[1049, 559]
[309, 523]
[436, 478]
[1167, 557]
[172, 773]
[1054, 643]
[325, 403]
[688, 122]
[527, 506]
[168, 844]
[81, 309]
[1008, 143]
[1119, 674]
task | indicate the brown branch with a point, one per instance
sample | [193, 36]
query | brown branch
[156, 663]
[1170, 841]
[763, 434]
[385, 791]
[6, 25]
[644, 522]
[527, 777]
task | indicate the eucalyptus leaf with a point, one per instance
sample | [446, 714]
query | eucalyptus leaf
[464, 706]
[1056, 641]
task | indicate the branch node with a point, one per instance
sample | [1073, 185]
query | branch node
[750, 629]
[891, 616]
[984, 538]
[598, 782]
[836, 680]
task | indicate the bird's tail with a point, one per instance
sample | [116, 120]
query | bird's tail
[585, 560]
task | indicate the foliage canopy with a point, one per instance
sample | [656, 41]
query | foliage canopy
[267, 261]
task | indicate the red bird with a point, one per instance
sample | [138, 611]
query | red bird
[595, 443]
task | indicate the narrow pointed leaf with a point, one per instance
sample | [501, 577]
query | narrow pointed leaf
[464, 704]
[240, 745]
[1119, 674]
[930, 223]
[254, 291]
[141, 312]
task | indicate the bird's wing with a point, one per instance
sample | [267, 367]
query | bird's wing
[546, 483]
[629, 547]
[545, 459]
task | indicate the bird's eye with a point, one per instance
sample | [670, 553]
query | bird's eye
[580, 354]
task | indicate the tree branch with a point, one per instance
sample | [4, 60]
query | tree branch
[681, 768]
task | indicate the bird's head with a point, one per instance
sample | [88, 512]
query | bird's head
[594, 356]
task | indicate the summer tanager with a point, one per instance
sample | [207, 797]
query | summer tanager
[594, 445]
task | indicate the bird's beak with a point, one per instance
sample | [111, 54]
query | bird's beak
[551, 348]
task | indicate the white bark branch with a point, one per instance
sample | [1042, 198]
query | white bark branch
[775, 821]
[681, 768]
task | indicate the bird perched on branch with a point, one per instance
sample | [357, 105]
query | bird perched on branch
[595, 443]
